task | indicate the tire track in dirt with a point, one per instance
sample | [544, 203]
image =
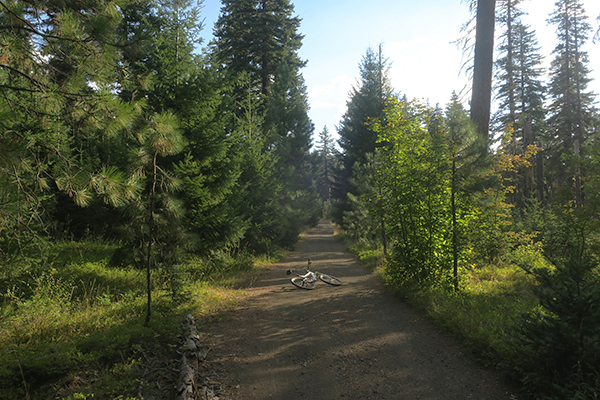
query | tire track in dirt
[355, 341]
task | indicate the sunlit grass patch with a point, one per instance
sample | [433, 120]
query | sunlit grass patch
[501, 280]
[208, 300]
[75, 327]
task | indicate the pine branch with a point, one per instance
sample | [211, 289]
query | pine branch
[23, 74]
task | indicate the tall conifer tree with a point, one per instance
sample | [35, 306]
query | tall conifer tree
[481, 94]
[173, 78]
[357, 139]
[570, 107]
[258, 41]
[255, 36]
[57, 67]
[324, 164]
[520, 94]
[507, 16]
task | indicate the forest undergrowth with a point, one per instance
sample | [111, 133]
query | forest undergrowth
[72, 325]
[533, 321]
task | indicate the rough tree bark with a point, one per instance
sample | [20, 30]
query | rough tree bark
[481, 97]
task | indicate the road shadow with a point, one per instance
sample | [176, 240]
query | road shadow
[355, 341]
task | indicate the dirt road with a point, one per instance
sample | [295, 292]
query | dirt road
[355, 341]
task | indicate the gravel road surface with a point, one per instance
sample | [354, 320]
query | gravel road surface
[355, 341]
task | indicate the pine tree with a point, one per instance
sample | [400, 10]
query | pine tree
[532, 92]
[367, 101]
[570, 107]
[520, 94]
[153, 235]
[481, 95]
[357, 139]
[290, 127]
[258, 40]
[507, 16]
[174, 79]
[258, 189]
[255, 36]
[324, 164]
[58, 65]
[209, 170]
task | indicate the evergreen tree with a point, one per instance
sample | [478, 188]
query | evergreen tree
[259, 189]
[507, 16]
[325, 155]
[520, 94]
[59, 113]
[256, 36]
[481, 94]
[176, 80]
[210, 169]
[366, 219]
[367, 102]
[357, 139]
[532, 114]
[153, 236]
[257, 40]
[560, 354]
[289, 133]
[570, 107]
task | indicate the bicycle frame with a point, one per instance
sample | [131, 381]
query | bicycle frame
[310, 278]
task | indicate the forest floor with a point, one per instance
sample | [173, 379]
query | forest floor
[355, 341]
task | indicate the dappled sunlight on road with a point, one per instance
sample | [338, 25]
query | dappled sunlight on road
[354, 341]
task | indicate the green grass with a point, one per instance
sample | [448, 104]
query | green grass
[532, 320]
[484, 313]
[71, 327]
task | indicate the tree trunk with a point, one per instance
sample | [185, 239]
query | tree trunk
[150, 239]
[454, 228]
[510, 66]
[382, 216]
[527, 141]
[579, 126]
[540, 175]
[481, 97]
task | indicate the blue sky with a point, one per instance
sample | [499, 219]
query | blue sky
[417, 39]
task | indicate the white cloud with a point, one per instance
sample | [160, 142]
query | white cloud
[328, 100]
[337, 88]
[426, 67]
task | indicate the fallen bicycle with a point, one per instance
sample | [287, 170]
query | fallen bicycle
[308, 280]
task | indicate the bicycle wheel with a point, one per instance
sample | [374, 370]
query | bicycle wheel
[302, 283]
[332, 280]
